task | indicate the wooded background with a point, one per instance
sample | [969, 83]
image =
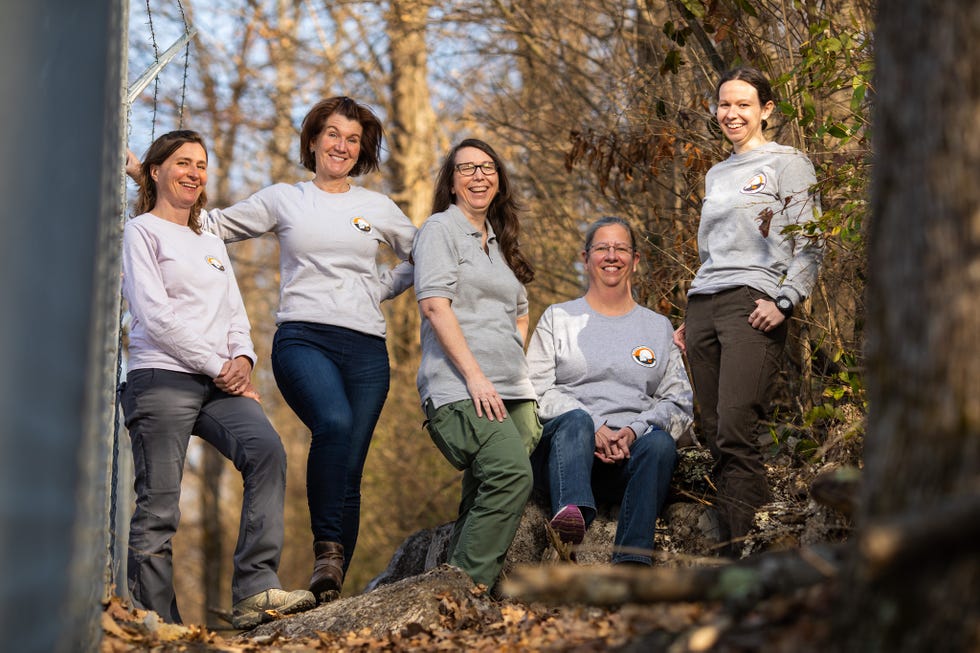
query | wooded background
[598, 107]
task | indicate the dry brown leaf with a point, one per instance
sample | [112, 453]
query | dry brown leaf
[110, 626]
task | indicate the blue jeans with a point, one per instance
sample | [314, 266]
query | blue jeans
[336, 381]
[565, 464]
[163, 408]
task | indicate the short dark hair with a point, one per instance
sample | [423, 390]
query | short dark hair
[754, 77]
[369, 158]
[605, 222]
[158, 152]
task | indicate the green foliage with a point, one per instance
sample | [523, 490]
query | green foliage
[839, 414]
[821, 65]
[833, 60]
[847, 383]
[696, 7]
[831, 105]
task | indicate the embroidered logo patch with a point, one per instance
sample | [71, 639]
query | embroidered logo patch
[361, 224]
[215, 263]
[644, 356]
[755, 185]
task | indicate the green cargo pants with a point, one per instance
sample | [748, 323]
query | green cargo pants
[497, 479]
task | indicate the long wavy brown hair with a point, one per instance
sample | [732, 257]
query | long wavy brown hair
[503, 213]
[158, 152]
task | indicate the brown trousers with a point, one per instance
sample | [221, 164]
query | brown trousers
[733, 365]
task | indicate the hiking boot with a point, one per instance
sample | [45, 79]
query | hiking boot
[268, 605]
[328, 571]
[569, 524]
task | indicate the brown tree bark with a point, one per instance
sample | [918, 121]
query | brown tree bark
[923, 443]
[412, 123]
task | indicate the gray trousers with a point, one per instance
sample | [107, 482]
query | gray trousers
[162, 409]
[733, 366]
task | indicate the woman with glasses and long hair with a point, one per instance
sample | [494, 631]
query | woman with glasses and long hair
[614, 397]
[329, 354]
[757, 265]
[190, 363]
[473, 380]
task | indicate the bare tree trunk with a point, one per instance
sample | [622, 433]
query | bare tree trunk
[411, 133]
[285, 141]
[390, 510]
[412, 123]
[923, 442]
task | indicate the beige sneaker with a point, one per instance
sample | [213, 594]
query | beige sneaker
[268, 605]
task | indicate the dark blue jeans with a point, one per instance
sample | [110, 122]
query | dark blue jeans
[163, 408]
[336, 381]
[565, 464]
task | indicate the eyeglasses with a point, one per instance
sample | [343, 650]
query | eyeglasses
[469, 169]
[619, 249]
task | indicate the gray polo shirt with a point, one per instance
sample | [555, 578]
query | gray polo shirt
[487, 299]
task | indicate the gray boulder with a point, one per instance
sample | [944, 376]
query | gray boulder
[687, 526]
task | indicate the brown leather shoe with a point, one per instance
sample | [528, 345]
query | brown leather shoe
[328, 571]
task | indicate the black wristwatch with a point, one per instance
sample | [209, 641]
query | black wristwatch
[785, 305]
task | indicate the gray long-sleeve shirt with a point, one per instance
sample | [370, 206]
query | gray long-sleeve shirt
[188, 314]
[623, 370]
[328, 247]
[749, 199]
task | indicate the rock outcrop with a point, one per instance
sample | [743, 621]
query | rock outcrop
[686, 526]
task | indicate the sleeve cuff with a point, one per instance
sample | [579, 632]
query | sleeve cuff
[793, 295]
[640, 428]
[445, 293]
[213, 367]
[247, 353]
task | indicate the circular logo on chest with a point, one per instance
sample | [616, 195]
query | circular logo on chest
[644, 356]
[755, 185]
[361, 224]
[215, 263]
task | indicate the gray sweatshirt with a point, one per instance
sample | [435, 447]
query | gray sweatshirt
[328, 246]
[188, 315]
[749, 199]
[623, 370]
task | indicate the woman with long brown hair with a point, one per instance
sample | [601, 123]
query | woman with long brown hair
[190, 361]
[473, 378]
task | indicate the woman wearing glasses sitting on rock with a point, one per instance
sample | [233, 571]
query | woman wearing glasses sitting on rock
[473, 380]
[614, 397]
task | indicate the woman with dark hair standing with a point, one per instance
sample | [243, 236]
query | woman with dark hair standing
[473, 378]
[190, 361]
[753, 272]
[329, 354]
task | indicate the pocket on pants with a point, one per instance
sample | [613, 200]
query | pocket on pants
[136, 383]
[449, 427]
[524, 414]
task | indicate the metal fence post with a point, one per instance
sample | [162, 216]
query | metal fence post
[62, 66]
